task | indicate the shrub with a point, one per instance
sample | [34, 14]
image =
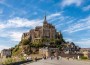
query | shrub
[25, 42]
[7, 61]
[22, 59]
[84, 58]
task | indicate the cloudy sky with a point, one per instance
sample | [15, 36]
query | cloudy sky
[71, 17]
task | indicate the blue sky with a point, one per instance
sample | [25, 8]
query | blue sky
[71, 17]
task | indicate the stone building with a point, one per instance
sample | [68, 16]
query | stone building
[85, 52]
[5, 53]
[46, 31]
[71, 48]
[49, 51]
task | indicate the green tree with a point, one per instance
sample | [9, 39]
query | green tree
[24, 42]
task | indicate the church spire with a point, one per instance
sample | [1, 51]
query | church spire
[45, 21]
[45, 17]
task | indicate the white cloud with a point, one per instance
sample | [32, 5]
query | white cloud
[15, 36]
[70, 2]
[2, 26]
[16, 23]
[86, 8]
[68, 39]
[3, 47]
[83, 43]
[22, 22]
[57, 17]
[81, 24]
[53, 15]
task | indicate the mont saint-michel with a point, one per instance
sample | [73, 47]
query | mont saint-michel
[46, 31]
[45, 36]
[43, 42]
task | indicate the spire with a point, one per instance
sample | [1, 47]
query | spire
[45, 17]
[45, 21]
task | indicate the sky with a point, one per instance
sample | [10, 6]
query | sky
[71, 17]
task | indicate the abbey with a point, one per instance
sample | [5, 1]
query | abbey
[46, 31]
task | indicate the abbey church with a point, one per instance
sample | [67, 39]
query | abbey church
[46, 31]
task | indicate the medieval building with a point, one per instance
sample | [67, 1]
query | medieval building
[46, 31]
[5, 53]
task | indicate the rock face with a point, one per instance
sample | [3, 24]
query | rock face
[46, 31]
